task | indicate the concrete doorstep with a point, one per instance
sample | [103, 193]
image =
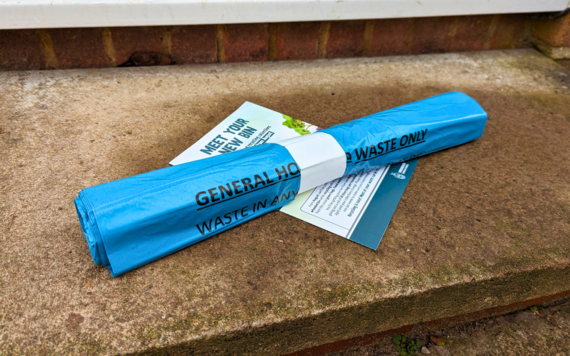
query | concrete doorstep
[535, 331]
[480, 227]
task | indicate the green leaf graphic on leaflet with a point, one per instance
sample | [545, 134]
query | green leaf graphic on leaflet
[297, 125]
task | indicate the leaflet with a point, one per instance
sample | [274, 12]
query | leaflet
[248, 126]
[357, 207]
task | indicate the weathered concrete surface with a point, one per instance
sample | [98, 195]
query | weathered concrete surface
[541, 332]
[565, 63]
[481, 225]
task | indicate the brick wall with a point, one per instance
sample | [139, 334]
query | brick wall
[555, 32]
[138, 46]
[553, 37]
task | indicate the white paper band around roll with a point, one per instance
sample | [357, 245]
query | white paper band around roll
[319, 157]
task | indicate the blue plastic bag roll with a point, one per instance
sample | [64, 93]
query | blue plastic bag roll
[136, 220]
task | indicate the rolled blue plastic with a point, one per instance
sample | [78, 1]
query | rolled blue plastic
[133, 221]
[409, 131]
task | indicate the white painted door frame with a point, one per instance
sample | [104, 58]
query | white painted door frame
[21, 14]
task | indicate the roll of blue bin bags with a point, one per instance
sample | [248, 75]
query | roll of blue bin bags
[133, 221]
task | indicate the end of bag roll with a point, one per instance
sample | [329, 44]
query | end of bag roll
[90, 231]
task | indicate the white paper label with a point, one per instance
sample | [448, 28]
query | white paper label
[319, 156]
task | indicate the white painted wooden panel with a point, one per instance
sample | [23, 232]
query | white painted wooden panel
[18, 14]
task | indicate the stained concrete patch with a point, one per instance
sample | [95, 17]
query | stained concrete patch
[481, 225]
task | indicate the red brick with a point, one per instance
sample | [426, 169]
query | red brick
[194, 44]
[246, 42]
[390, 37]
[346, 39]
[431, 35]
[471, 33]
[510, 32]
[20, 49]
[555, 32]
[79, 48]
[138, 46]
[297, 40]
